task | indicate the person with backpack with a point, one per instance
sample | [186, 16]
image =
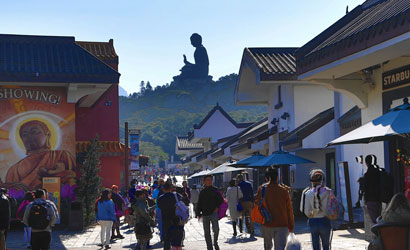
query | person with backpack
[274, 199]
[314, 204]
[233, 195]
[372, 189]
[28, 197]
[210, 199]
[143, 220]
[5, 214]
[247, 203]
[41, 216]
[167, 203]
[105, 216]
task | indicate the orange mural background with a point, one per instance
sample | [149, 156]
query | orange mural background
[37, 136]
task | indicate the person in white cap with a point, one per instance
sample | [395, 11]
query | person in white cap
[314, 205]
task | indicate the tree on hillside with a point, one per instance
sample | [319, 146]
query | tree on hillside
[142, 87]
[89, 182]
[148, 87]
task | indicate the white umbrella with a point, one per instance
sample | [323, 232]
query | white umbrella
[225, 167]
[395, 122]
[199, 174]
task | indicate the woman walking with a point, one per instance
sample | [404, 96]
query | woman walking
[143, 220]
[314, 205]
[233, 194]
[106, 216]
[28, 197]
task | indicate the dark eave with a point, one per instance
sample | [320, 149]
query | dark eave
[294, 139]
[236, 137]
[263, 135]
[50, 59]
[351, 120]
[367, 25]
[273, 64]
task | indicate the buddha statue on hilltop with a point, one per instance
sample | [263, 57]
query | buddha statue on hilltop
[200, 68]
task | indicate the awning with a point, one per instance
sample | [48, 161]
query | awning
[279, 158]
[247, 161]
[395, 122]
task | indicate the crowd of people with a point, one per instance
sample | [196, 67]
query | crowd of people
[165, 205]
[36, 212]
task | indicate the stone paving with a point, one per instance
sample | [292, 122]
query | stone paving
[351, 239]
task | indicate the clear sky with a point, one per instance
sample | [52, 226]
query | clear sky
[150, 36]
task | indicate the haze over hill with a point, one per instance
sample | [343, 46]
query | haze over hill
[170, 110]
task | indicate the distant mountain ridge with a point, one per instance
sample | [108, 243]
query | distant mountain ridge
[171, 110]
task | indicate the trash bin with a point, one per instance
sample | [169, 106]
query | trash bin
[76, 216]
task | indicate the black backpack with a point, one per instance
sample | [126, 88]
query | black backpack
[38, 217]
[386, 186]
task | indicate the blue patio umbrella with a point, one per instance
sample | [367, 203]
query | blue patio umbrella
[247, 161]
[396, 122]
[279, 158]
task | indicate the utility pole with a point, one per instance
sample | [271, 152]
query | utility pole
[126, 174]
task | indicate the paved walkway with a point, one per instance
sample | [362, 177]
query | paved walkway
[89, 239]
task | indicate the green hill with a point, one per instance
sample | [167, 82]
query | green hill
[170, 110]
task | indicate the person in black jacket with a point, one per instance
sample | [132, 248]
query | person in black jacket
[210, 199]
[166, 203]
[372, 188]
[4, 219]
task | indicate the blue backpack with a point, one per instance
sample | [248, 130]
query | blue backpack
[181, 209]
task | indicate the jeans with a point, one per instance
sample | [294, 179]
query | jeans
[207, 220]
[246, 214]
[374, 208]
[159, 220]
[2, 240]
[320, 229]
[277, 234]
[27, 235]
[106, 226]
[40, 240]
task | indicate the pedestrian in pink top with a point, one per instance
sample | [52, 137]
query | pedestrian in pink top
[29, 197]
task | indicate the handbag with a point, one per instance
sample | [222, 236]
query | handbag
[223, 207]
[259, 213]
[239, 205]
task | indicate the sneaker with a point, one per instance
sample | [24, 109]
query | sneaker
[216, 247]
[120, 236]
[107, 247]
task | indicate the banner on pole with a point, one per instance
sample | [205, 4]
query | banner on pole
[134, 149]
[135, 144]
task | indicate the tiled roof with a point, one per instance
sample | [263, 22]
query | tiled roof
[54, 59]
[367, 25]
[183, 143]
[272, 63]
[102, 50]
[223, 112]
[109, 146]
[294, 138]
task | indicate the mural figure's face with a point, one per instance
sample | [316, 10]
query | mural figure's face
[33, 136]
